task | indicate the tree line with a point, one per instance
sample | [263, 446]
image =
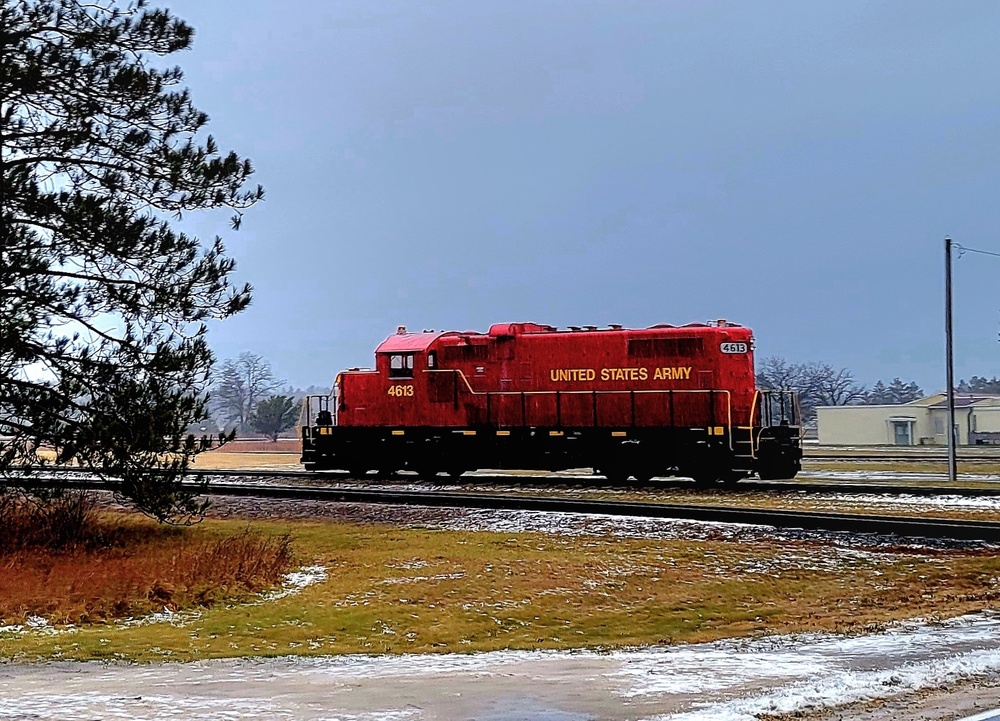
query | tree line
[246, 395]
[821, 384]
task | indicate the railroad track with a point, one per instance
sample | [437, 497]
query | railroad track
[582, 480]
[912, 527]
[914, 456]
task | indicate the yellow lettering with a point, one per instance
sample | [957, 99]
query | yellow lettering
[562, 375]
[605, 375]
[643, 374]
[668, 374]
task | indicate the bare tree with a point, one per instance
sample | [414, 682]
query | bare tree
[817, 384]
[833, 386]
[777, 374]
[239, 385]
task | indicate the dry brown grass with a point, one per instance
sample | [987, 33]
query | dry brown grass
[217, 461]
[70, 564]
[260, 445]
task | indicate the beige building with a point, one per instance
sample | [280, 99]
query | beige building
[918, 423]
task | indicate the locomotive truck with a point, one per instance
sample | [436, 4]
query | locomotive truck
[657, 401]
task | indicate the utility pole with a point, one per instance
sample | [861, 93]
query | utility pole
[950, 363]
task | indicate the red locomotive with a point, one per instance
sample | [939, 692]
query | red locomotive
[647, 402]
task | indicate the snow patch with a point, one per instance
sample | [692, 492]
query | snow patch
[808, 672]
[295, 582]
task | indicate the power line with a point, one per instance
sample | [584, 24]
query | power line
[962, 250]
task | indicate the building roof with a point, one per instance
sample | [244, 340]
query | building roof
[936, 401]
[964, 400]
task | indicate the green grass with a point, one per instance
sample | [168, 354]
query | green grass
[392, 590]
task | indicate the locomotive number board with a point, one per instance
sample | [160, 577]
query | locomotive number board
[733, 348]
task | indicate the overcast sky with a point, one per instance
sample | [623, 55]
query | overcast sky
[792, 166]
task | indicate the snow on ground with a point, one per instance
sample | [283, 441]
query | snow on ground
[801, 673]
[910, 502]
[723, 681]
[593, 524]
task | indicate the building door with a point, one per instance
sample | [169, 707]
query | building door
[901, 433]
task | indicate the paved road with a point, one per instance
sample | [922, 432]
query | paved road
[728, 681]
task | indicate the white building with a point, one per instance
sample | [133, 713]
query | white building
[920, 422]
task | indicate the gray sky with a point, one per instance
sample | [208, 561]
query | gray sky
[792, 166]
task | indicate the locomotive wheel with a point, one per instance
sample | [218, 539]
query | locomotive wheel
[614, 474]
[730, 478]
[703, 477]
[777, 472]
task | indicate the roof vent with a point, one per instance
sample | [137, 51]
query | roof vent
[401, 330]
[574, 327]
[615, 326]
[590, 327]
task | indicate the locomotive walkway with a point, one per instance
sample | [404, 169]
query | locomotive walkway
[907, 526]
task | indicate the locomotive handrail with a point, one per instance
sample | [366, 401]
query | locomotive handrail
[596, 392]
[755, 442]
[753, 407]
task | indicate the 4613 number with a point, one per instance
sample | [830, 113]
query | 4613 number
[401, 391]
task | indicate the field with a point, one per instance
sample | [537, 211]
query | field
[390, 589]
[379, 580]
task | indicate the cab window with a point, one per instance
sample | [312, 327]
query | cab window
[432, 360]
[401, 365]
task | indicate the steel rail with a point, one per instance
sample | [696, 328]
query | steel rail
[883, 456]
[563, 480]
[907, 526]
[901, 459]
